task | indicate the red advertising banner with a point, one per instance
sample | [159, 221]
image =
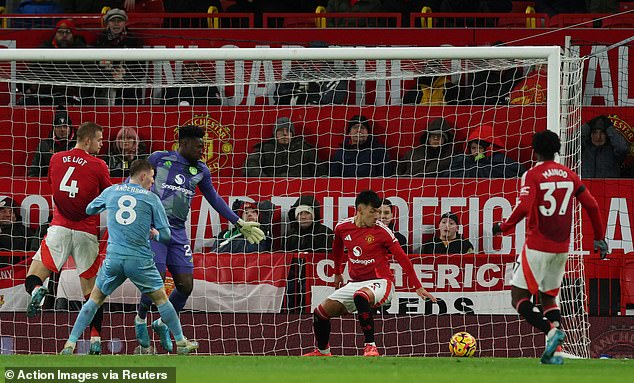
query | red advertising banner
[478, 203]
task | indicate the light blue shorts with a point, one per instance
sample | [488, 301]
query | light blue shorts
[142, 272]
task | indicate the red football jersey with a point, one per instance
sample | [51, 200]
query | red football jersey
[546, 198]
[368, 252]
[76, 178]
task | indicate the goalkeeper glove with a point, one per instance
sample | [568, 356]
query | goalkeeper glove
[601, 246]
[496, 229]
[250, 230]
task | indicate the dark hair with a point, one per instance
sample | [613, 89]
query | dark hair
[359, 120]
[138, 166]
[387, 202]
[546, 144]
[190, 131]
[88, 130]
[369, 198]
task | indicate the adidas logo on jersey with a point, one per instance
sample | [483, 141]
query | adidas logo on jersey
[348, 238]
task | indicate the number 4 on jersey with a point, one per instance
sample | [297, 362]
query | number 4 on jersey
[70, 187]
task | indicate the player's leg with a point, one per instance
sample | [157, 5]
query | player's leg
[526, 274]
[181, 265]
[160, 260]
[111, 275]
[85, 316]
[140, 323]
[51, 256]
[321, 325]
[549, 290]
[85, 252]
[169, 318]
[338, 303]
[147, 278]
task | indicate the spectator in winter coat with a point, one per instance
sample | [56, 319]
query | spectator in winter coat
[433, 156]
[13, 234]
[305, 232]
[285, 155]
[603, 149]
[361, 155]
[484, 158]
[448, 240]
[117, 35]
[62, 138]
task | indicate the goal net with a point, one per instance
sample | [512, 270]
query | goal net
[434, 130]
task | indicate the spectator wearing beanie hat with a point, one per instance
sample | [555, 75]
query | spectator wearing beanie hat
[62, 138]
[232, 240]
[285, 155]
[65, 36]
[434, 155]
[13, 234]
[361, 155]
[305, 232]
[448, 240]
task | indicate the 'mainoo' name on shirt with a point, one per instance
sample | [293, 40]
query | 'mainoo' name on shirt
[177, 188]
[131, 189]
[555, 172]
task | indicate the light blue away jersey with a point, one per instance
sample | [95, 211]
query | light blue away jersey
[176, 182]
[132, 211]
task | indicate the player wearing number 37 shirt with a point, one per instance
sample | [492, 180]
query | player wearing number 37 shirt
[371, 285]
[546, 200]
[76, 177]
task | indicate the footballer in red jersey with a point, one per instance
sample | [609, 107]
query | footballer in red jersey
[76, 177]
[369, 243]
[546, 200]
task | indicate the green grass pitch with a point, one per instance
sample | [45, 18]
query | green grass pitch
[262, 369]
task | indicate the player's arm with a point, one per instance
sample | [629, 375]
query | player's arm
[250, 230]
[525, 200]
[159, 221]
[338, 257]
[97, 205]
[408, 268]
[589, 203]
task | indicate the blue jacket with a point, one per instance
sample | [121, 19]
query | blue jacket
[369, 160]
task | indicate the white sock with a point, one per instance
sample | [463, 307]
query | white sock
[551, 333]
[159, 322]
[326, 351]
[94, 339]
[138, 320]
[371, 344]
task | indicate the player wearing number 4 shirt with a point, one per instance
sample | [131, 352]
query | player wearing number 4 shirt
[371, 285]
[545, 199]
[76, 177]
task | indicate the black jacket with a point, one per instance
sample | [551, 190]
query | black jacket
[457, 246]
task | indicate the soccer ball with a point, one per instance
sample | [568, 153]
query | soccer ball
[462, 344]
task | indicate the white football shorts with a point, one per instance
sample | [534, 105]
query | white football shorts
[61, 242]
[540, 271]
[383, 290]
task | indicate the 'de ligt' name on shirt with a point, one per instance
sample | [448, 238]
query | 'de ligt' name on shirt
[74, 159]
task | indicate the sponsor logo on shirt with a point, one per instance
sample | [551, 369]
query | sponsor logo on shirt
[362, 261]
[179, 179]
[357, 251]
[177, 188]
[348, 238]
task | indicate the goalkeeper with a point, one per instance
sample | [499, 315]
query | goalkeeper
[178, 173]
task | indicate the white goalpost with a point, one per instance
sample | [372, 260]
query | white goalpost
[261, 303]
